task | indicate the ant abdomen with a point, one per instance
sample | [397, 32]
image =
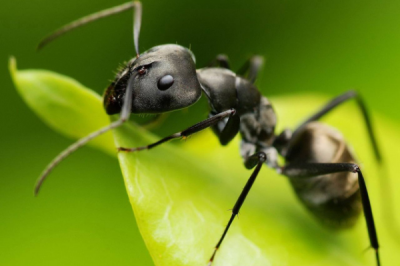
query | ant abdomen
[333, 198]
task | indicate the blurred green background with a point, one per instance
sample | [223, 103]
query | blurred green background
[83, 216]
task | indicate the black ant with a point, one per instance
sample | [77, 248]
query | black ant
[319, 164]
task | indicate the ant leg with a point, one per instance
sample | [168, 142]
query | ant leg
[187, 132]
[256, 160]
[336, 102]
[136, 5]
[220, 60]
[124, 116]
[252, 67]
[226, 130]
[310, 170]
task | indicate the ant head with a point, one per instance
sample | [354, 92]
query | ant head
[164, 80]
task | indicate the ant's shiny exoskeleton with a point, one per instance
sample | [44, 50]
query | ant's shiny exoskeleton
[319, 164]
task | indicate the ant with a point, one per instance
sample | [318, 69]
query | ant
[319, 163]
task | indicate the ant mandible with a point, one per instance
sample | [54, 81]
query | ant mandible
[319, 164]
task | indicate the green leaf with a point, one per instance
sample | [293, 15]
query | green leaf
[180, 196]
[180, 192]
[63, 104]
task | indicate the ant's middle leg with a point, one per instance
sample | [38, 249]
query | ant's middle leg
[251, 67]
[220, 60]
[256, 160]
[249, 70]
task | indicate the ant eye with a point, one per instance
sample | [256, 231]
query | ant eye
[165, 82]
[142, 71]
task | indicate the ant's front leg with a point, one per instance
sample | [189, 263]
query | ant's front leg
[187, 132]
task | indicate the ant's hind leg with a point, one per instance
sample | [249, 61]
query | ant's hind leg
[338, 101]
[310, 170]
[256, 160]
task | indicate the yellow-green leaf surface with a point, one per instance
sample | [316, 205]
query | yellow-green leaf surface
[63, 104]
[181, 194]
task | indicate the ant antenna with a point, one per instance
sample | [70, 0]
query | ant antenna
[136, 5]
[124, 116]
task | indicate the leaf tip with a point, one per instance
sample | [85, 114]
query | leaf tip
[12, 66]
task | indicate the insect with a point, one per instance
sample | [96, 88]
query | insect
[319, 163]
